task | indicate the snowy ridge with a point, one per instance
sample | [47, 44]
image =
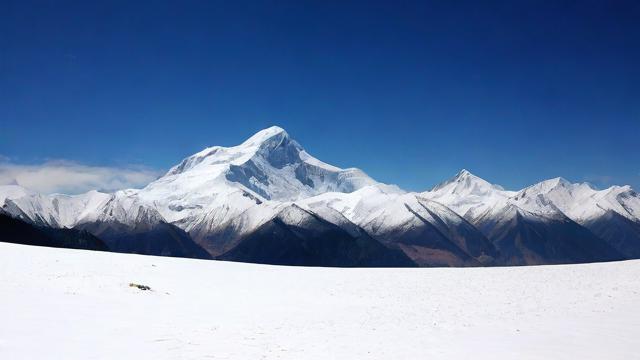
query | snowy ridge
[473, 197]
[57, 210]
[469, 195]
[548, 221]
[581, 202]
[221, 194]
[410, 222]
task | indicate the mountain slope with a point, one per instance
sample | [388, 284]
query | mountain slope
[299, 237]
[469, 195]
[209, 189]
[524, 238]
[16, 231]
[121, 220]
[429, 233]
[56, 210]
[156, 239]
[128, 225]
[581, 202]
[612, 214]
[526, 229]
[619, 231]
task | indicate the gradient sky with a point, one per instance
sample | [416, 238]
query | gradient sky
[514, 91]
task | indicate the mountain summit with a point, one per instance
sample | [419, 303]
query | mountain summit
[468, 194]
[207, 193]
[269, 165]
[465, 184]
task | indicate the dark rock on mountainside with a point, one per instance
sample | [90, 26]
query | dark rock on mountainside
[440, 240]
[299, 237]
[161, 239]
[618, 231]
[523, 240]
[16, 231]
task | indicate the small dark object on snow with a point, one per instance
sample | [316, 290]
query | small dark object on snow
[141, 287]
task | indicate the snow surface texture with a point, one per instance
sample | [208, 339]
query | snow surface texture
[71, 304]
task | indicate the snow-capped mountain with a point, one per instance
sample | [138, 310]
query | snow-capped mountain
[230, 200]
[469, 195]
[612, 214]
[522, 223]
[122, 220]
[217, 195]
[472, 197]
[430, 233]
[207, 192]
[58, 210]
[581, 202]
[269, 166]
[297, 236]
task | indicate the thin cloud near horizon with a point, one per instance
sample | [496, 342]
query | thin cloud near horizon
[71, 177]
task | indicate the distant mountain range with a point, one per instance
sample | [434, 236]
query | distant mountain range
[268, 201]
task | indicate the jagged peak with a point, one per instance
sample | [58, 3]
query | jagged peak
[466, 176]
[464, 173]
[559, 181]
[266, 134]
[549, 185]
[619, 190]
[562, 183]
[263, 143]
[464, 179]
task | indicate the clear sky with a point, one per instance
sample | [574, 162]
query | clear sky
[514, 91]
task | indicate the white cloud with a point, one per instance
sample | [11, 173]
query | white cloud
[68, 177]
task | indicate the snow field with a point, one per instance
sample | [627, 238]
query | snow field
[72, 304]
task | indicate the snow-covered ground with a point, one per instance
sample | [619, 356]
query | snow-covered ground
[71, 304]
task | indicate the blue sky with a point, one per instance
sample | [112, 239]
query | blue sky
[409, 92]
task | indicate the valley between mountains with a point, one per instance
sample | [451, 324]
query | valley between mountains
[268, 201]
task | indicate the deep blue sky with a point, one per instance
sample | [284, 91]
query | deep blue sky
[514, 91]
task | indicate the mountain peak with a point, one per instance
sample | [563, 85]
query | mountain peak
[263, 142]
[269, 165]
[265, 135]
[465, 174]
[560, 181]
[466, 183]
[546, 186]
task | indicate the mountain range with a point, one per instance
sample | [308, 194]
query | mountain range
[268, 201]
